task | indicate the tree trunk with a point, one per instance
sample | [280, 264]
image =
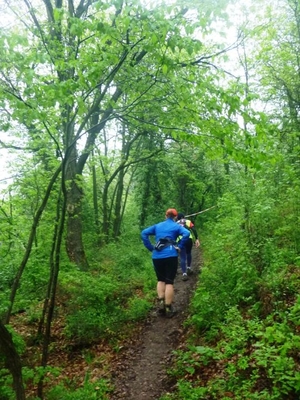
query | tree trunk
[95, 199]
[74, 242]
[12, 361]
[74, 170]
[53, 280]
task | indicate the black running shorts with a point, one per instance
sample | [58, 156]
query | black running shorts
[166, 269]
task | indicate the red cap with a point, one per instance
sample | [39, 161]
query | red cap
[171, 213]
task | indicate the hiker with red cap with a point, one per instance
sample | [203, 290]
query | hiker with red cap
[165, 257]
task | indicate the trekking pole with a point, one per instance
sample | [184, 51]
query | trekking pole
[200, 212]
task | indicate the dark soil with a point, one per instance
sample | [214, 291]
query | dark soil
[140, 371]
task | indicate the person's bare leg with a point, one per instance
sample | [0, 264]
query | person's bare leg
[169, 294]
[161, 288]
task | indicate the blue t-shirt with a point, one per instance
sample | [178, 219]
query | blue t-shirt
[166, 229]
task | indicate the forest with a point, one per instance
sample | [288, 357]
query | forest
[112, 111]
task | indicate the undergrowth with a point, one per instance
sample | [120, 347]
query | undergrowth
[102, 304]
[245, 314]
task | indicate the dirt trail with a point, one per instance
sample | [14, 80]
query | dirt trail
[141, 367]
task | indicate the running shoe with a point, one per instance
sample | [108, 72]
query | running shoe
[170, 312]
[161, 306]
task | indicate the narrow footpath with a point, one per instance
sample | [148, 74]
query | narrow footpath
[140, 371]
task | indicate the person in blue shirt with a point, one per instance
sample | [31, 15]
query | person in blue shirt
[186, 253]
[165, 256]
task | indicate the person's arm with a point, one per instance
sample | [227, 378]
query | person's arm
[145, 237]
[195, 233]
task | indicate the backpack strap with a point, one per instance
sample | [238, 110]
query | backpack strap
[163, 243]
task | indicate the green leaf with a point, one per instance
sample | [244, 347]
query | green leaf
[165, 69]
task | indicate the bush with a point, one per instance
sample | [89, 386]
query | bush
[94, 307]
[92, 391]
[120, 290]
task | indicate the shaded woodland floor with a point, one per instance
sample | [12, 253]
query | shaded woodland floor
[137, 371]
[140, 371]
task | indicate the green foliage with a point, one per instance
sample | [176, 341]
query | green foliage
[250, 353]
[228, 276]
[6, 277]
[18, 340]
[30, 376]
[94, 307]
[138, 309]
[119, 291]
[245, 311]
[6, 391]
[174, 151]
[34, 375]
[95, 391]
[34, 282]
[190, 360]
[186, 390]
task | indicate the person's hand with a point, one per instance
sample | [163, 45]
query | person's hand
[197, 243]
[177, 249]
